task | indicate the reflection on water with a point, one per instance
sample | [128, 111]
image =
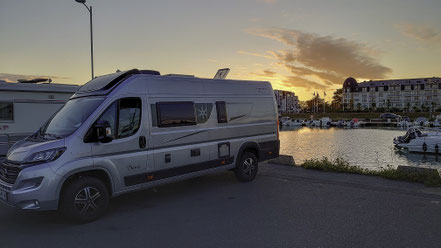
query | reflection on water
[369, 148]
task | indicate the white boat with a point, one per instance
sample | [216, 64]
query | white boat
[317, 123]
[339, 123]
[284, 120]
[354, 123]
[295, 123]
[437, 122]
[310, 123]
[404, 122]
[421, 122]
[325, 122]
[420, 140]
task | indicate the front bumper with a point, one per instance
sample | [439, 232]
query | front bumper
[24, 195]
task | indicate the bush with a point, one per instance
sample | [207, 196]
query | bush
[428, 177]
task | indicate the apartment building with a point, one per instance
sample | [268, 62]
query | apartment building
[287, 102]
[405, 94]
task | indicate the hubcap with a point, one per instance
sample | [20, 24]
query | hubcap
[248, 166]
[86, 200]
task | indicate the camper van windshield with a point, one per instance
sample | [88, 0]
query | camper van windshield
[70, 117]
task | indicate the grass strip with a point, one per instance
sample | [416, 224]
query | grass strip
[428, 177]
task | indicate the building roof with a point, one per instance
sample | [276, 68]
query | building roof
[390, 82]
[44, 87]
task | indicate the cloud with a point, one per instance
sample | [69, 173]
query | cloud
[268, 1]
[419, 32]
[14, 77]
[266, 73]
[297, 81]
[268, 55]
[326, 59]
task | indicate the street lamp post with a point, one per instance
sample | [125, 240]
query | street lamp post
[89, 8]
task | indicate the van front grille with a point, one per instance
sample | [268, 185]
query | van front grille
[9, 172]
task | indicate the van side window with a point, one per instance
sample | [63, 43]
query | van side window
[221, 112]
[110, 116]
[6, 111]
[129, 117]
[172, 114]
[124, 117]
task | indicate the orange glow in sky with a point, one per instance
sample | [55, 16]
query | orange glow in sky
[298, 45]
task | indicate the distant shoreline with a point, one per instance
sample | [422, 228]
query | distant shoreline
[358, 115]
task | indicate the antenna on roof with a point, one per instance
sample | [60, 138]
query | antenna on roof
[222, 73]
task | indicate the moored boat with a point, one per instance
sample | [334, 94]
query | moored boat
[421, 122]
[420, 140]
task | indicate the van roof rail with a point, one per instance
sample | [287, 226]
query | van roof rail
[150, 72]
[178, 75]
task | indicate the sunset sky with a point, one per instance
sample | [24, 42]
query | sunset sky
[298, 45]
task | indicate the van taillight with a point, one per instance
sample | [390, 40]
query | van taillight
[277, 129]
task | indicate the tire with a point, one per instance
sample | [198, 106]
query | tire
[246, 167]
[84, 200]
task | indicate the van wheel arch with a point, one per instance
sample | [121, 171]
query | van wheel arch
[97, 173]
[249, 147]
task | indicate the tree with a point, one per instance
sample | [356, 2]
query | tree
[388, 103]
[358, 107]
[408, 107]
[351, 103]
[374, 106]
[337, 99]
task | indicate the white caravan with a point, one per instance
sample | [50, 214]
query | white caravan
[136, 129]
[26, 105]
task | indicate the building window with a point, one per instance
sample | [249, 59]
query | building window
[172, 114]
[6, 111]
[386, 88]
[402, 87]
[422, 87]
[376, 88]
[221, 112]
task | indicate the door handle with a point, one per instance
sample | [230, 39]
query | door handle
[142, 142]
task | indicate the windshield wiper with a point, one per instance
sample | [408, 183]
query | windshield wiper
[52, 135]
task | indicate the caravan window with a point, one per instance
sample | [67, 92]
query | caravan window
[6, 111]
[172, 114]
[221, 112]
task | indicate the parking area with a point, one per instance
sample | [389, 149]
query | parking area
[283, 207]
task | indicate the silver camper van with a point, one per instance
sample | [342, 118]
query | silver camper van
[136, 129]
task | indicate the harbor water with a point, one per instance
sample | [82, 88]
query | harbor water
[363, 147]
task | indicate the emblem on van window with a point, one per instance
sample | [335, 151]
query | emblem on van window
[203, 112]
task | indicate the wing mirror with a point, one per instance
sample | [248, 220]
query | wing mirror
[104, 131]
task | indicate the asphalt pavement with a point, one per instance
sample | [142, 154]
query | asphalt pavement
[284, 207]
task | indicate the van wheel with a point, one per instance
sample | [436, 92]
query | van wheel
[84, 200]
[246, 167]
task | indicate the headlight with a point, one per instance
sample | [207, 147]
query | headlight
[45, 156]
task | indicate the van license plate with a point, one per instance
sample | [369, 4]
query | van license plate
[3, 195]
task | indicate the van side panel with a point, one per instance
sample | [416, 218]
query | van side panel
[209, 145]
